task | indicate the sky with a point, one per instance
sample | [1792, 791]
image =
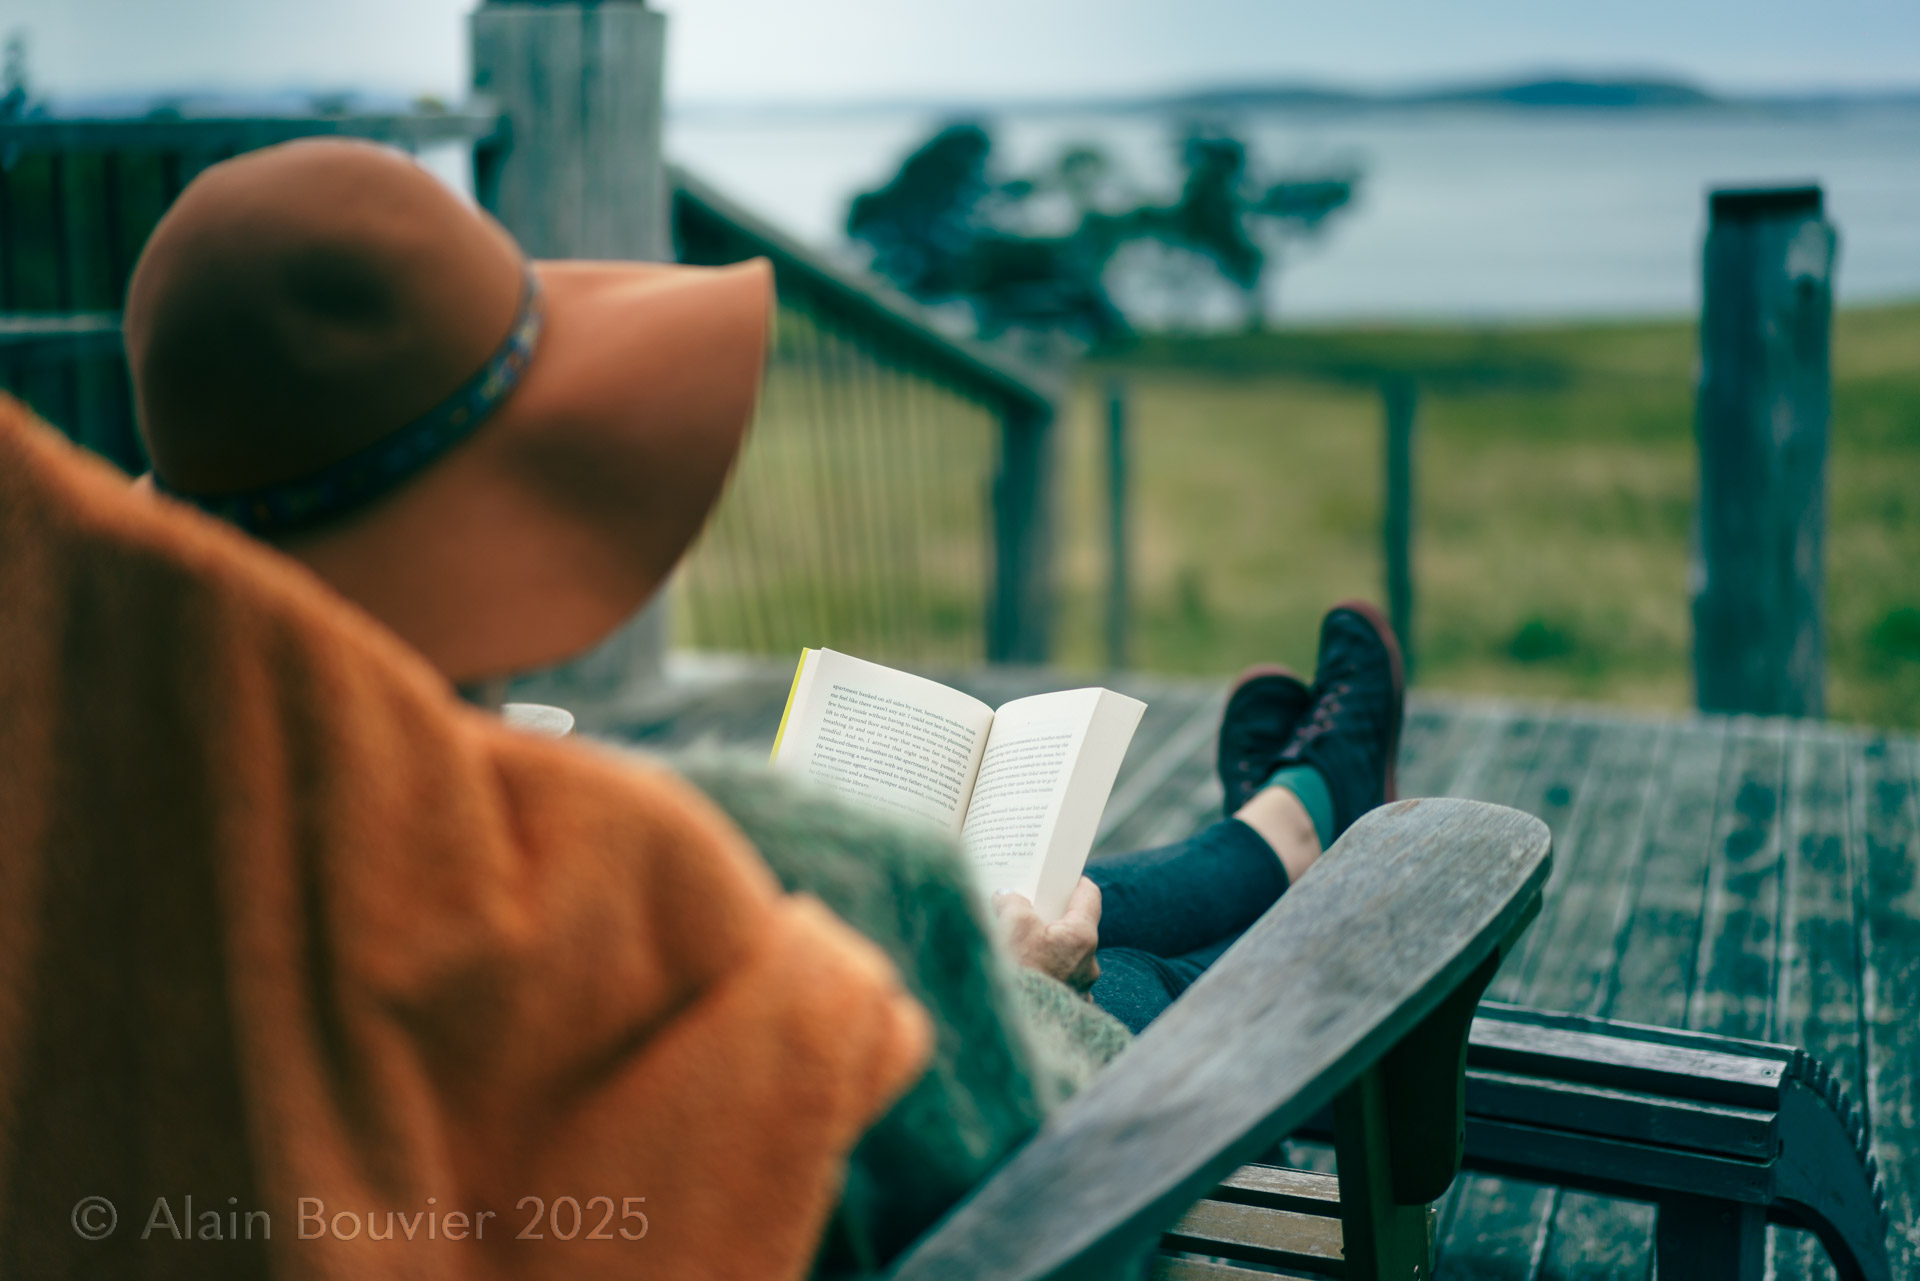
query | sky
[792, 51]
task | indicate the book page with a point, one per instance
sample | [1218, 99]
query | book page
[885, 738]
[1050, 760]
[1083, 799]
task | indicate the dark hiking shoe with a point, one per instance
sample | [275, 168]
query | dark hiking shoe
[1266, 704]
[1352, 732]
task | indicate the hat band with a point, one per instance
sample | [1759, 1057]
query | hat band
[368, 473]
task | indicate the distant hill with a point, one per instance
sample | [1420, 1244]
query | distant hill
[1553, 92]
[1545, 91]
[1584, 93]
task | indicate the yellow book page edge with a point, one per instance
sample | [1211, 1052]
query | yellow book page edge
[787, 711]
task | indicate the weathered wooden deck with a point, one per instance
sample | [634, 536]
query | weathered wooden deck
[1749, 877]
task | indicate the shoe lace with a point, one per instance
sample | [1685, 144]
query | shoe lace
[1325, 709]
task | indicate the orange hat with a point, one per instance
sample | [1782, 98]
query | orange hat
[499, 459]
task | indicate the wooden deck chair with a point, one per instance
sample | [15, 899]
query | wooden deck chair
[1357, 988]
[1721, 1136]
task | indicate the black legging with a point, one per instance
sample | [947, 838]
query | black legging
[1166, 914]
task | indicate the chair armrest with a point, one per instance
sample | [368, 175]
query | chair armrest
[1413, 902]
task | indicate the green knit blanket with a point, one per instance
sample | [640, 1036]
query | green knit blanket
[1010, 1043]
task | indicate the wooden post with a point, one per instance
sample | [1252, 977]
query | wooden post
[1117, 560]
[577, 173]
[1764, 401]
[1019, 616]
[1401, 400]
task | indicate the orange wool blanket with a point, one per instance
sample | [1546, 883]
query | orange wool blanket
[307, 970]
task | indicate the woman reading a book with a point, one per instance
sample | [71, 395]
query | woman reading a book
[501, 461]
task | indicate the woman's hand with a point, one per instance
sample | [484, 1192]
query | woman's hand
[1063, 949]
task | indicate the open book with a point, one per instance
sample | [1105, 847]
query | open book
[1022, 786]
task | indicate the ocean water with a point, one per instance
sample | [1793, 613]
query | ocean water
[1463, 212]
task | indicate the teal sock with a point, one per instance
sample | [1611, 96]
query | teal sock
[1305, 782]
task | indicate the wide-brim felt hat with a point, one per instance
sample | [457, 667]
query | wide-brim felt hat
[500, 459]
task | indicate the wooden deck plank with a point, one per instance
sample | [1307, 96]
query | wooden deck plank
[1738, 948]
[1740, 940]
[1190, 800]
[1498, 1227]
[1887, 811]
[1168, 813]
[1596, 1238]
[1563, 789]
[1654, 970]
[1557, 791]
[1817, 1000]
[1568, 966]
[1502, 767]
[1419, 727]
[1497, 1231]
[1573, 946]
[1428, 736]
[1460, 752]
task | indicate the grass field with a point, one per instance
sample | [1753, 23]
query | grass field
[1555, 482]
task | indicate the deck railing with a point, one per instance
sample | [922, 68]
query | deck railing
[891, 493]
[894, 496]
